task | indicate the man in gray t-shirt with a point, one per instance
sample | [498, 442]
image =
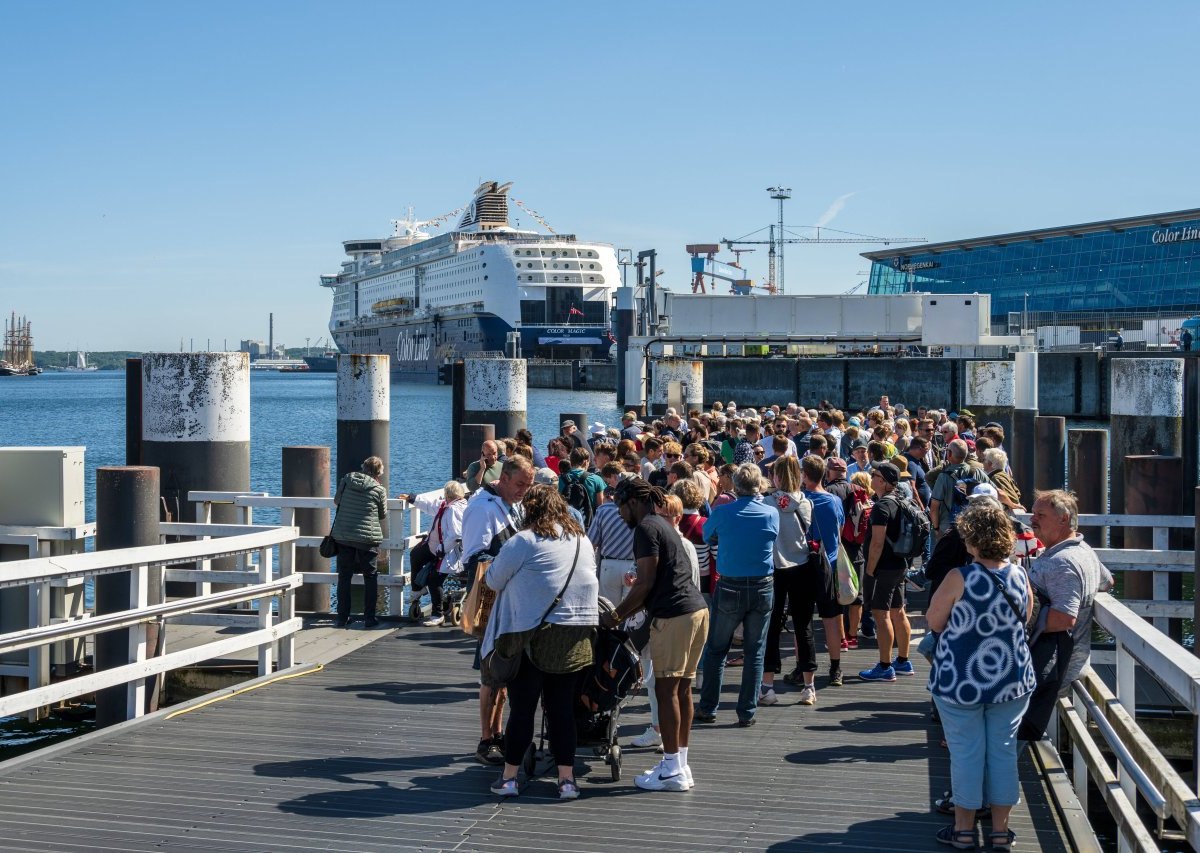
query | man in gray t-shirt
[1069, 574]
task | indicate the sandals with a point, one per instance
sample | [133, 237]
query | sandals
[945, 805]
[959, 839]
[1002, 839]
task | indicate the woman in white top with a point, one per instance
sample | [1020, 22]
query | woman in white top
[445, 541]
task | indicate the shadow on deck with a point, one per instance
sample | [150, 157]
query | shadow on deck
[375, 752]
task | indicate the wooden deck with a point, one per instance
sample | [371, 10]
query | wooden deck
[374, 753]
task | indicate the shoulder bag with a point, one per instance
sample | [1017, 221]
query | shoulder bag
[504, 668]
[328, 546]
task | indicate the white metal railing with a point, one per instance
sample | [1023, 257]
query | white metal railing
[262, 585]
[1141, 769]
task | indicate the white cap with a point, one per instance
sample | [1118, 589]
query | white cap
[598, 427]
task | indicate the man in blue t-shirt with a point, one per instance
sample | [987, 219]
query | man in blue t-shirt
[828, 515]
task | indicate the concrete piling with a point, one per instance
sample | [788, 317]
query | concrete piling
[493, 392]
[1024, 441]
[196, 431]
[990, 392]
[133, 411]
[1050, 433]
[581, 423]
[1146, 416]
[363, 413]
[1087, 477]
[127, 502]
[1153, 486]
[306, 475]
[470, 445]
[624, 330]
[678, 383]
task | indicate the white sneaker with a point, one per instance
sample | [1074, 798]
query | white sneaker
[434, 621]
[687, 774]
[768, 697]
[808, 696]
[655, 781]
[647, 738]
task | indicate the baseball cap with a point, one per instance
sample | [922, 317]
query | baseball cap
[889, 472]
[568, 422]
[966, 413]
[598, 427]
[545, 477]
[857, 444]
[835, 463]
[855, 422]
[984, 490]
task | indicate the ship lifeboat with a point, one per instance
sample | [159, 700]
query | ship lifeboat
[400, 305]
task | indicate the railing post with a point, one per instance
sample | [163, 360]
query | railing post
[135, 691]
[204, 516]
[39, 656]
[265, 650]
[1127, 697]
[287, 598]
[1079, 768]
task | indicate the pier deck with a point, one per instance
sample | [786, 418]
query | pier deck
[373, 752]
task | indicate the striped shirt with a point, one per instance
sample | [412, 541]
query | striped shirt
[611, 536]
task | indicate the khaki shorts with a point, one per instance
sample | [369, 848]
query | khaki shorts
[677, 643]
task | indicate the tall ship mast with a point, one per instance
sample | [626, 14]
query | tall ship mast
[18, 348]
[422, 299]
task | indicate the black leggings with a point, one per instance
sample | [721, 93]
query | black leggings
[435, 592]
[797, 590]
[558, 693]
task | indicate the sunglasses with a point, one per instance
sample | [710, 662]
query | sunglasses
[673, 455]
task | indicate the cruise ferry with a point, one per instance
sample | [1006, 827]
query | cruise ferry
[422, 299]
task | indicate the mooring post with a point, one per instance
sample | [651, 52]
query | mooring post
[470, 444]
[494, 393]
[678, 382]
[624, 324]
[1050, 433]
[363, 413]
[1087, 477]
[1025, 409]
[1153, 486]
[196, 431]
[581, 424]
[127, 500]
[989, 394]
[133, 411]
[306, 475]
[1146, 417]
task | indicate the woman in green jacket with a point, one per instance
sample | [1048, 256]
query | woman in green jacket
[361, 506]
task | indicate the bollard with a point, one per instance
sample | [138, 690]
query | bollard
[623, 328]
[678, 383]
[1050, 433]
[127, 501]
[306, 475]
[1087, 477]
[494, 393]
[196, 431]
[1024, 443]
[363, 413]
[1153, 486]
[133, 411]
[989, 393]
[470, 445]
[1146, 406]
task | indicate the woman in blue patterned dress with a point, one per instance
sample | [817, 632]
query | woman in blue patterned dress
[982, 677]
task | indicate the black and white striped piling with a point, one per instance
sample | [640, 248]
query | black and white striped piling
[127, 500]
[493, 392]
[990, 393]
[363, 413]
[678, 384]
[1146, 416]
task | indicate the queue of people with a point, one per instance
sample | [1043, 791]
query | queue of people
[715, 528]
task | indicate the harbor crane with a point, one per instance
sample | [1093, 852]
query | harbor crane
[817, 237]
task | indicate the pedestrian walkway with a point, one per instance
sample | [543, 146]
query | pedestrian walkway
[373, 752]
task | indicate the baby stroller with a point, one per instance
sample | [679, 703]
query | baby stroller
[601, 692]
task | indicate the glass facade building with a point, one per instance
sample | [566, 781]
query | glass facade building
[1134, 265]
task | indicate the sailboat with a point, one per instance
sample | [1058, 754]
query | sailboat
[81, 364]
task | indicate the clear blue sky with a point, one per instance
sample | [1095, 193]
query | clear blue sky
[179, 170]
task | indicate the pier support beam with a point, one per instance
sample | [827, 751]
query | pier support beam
[1050, 433]
[470, 445]
[363, 413]
[1153, 486]
[196, 431]
[1146, 416]
[1087, 477]
[494, 393]
[678, 383]
[306, 475]
[990, 393]
[1024, 442]
[127, 501]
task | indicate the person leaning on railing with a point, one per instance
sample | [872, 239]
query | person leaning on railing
[361, 506]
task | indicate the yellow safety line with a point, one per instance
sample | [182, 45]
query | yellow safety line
[240, 690]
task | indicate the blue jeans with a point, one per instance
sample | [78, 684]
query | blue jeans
[983, 751]
[737, 601]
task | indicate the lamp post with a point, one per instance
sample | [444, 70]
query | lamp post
[781, 194]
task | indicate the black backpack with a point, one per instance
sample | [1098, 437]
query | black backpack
[913, 533]
[962, 491]
[578, 497]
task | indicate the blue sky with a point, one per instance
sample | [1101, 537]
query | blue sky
[179, 170]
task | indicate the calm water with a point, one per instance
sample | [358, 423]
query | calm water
[286, 409]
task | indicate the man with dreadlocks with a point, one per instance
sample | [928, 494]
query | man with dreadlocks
[678, 626]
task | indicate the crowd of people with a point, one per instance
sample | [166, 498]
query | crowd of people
[716, 527]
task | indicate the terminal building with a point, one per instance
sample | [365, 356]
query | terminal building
[1076, 284]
